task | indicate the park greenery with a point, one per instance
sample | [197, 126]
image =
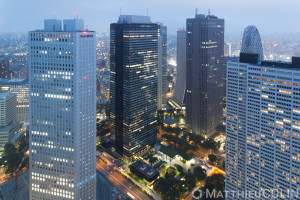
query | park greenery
[217, 182]
[103, 128]
[182, 138]
[212, 158]
[176, 182]
[12, 155]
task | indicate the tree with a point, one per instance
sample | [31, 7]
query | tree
[11, 158]
[171, 171]
[215, 182]
[190, 181]
[212, 158]
[179, 168]
[209, 144]
[23, 145]
[199, 173]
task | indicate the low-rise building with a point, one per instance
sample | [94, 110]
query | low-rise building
[144, 171]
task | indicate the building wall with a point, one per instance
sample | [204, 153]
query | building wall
[162, 68]
[180, 84]
[263, 130]
[62, 114]
[8, 112]
[133, 87]
[204, 80]
[20, 88]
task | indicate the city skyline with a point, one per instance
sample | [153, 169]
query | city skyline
[100, 15]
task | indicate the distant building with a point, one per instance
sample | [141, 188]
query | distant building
[251, 42]
[62, 111]
[263, 127]
[205, 73]
[4, 68]
[8, 114]
[133, 84]
[180, 83]
[162, 68]
[8, 110]
[8, 133]
[227, 49]
[20, 88]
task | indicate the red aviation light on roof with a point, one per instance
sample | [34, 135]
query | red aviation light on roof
[85, 77]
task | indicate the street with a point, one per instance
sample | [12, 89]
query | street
[120, 181]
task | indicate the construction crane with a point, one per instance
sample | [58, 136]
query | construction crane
[119, 196]
[17, 169]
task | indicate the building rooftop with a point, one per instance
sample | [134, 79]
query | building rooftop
[254, 59]
[170, 121]
[134, 19]
[68, 25]
[13, 81]
[5, 95]
[9, 127]
[145, 169]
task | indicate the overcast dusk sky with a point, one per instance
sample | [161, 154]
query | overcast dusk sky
[270, 16]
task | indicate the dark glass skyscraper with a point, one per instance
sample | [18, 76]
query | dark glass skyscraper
[205, 51]
[134, 61]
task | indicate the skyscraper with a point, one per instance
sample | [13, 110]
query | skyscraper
[180, 84]
[8, 115]
[251, 42]
[204, 73]
[20, 88]
[133, 88]
[8, 110]
[236, 112]
[162, 68]
[62, 112]
[263, 129]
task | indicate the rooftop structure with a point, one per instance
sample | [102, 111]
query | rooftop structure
[251, 42]
[144, 170]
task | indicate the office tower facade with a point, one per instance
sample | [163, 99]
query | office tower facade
[133, 83]
[20, 88]
[205, 72]
[62, 111]
[4, 68]
[162, 68]
[263, 132]
[8, 108]
[251, 42]
[180, 84]
[227, 49]
[8, 115]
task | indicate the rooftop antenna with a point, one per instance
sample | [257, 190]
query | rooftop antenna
[76, 14]
[53, 14]
[208, 12]
[196, 12]
[147, 11]
[120, 10]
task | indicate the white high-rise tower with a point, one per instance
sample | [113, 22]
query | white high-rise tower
[263, 129]
[62, 114]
